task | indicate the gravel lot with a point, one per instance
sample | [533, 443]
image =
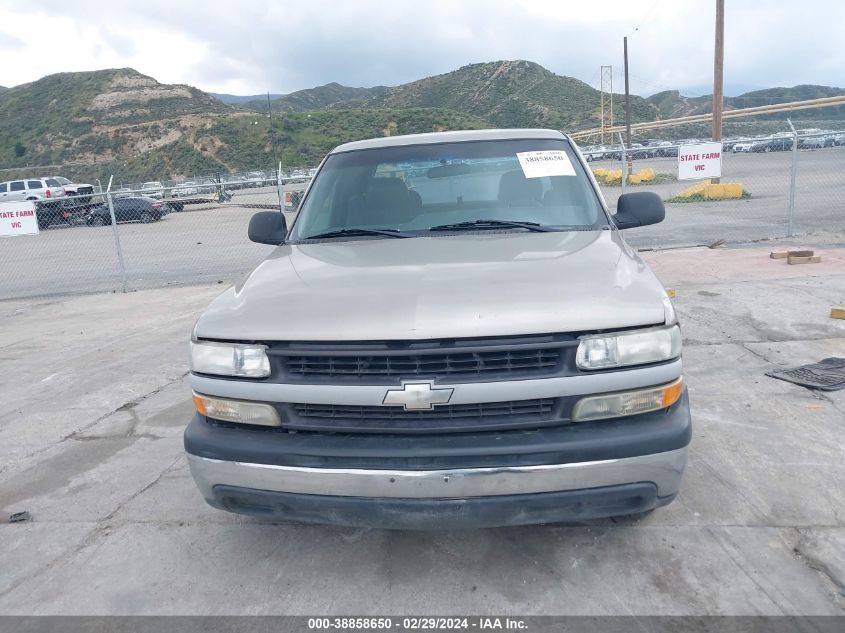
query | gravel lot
[95, 399]
[208, 243]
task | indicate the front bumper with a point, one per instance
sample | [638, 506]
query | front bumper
[576, 472]
[470, 498]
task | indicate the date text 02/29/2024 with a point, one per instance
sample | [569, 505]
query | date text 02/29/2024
[419, 623]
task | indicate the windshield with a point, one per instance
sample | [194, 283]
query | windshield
[479, 184]
[63, 181]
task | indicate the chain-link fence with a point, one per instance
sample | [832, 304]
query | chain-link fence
[794, 183]
[150, 234]
[771, 206]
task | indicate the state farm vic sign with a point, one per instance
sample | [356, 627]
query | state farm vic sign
[700, 161]
[18, 218]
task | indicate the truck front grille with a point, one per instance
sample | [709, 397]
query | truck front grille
[443, 418]
[488, 358]
[457, 363]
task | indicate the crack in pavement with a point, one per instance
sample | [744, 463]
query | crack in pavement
[757, 354]
[734, 556]
[818, 566]
[75, 434]
[102, 528]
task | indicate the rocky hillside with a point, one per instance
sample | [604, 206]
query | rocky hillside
[513, 94]
[92, 124]
[96, 116]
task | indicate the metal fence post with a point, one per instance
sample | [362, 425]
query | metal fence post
[116, 236]
[793, 174]
[279, 188]
[624, 175]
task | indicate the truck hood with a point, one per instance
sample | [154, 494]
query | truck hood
[444, 286]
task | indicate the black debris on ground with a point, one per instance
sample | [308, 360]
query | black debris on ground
[19, 517]
[827, 375]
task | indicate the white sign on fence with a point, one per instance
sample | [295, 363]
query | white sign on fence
[700, 161]
[18, 218]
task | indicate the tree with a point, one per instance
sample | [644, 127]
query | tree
[20, 149]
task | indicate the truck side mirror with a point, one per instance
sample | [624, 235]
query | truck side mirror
[268, 227]
[638, 209]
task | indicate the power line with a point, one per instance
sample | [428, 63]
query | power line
[645, 17]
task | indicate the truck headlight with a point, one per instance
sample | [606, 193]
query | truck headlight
[616, 405]
[634, 347]
[239, 411]
[229, 359]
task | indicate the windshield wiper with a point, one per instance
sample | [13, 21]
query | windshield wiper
[354, 232]
[492, 224]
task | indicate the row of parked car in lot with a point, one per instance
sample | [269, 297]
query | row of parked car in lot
[44, 189]
[649, 148]
[69, 212]
[653, 148]
[60, 201]
[784, 142]
[207, 186]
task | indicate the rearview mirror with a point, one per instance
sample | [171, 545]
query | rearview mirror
[448, 171]
[638, 209]
[268, 227]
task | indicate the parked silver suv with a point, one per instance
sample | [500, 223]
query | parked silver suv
[453, 333]
[31, 189]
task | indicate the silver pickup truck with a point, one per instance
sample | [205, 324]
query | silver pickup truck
[453, 333]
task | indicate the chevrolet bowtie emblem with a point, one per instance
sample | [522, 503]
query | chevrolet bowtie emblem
[417, 396]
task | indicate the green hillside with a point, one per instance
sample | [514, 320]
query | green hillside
[89, 125]
[93, 116]
[317, 98]
[514, 94]
[671, 103]
[232, 142]
[304, 138]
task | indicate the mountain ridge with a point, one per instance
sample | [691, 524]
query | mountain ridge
[670, 103]
[89, 125]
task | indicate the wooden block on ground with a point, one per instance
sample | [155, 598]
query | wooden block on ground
[779, 254]
[837, 312]
[811, 259]
[800, 253]
[670, 292]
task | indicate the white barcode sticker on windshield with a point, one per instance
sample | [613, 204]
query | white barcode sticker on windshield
[545, 163]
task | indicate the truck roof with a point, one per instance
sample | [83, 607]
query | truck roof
[448, 137]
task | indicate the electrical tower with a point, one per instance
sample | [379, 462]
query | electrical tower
[606, 103]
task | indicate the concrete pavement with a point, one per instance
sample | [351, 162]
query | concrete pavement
[94, 399]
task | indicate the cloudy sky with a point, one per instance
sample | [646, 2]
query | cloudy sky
[254, 46]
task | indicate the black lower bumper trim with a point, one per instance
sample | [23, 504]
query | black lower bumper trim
[423, 514]
[643, 434]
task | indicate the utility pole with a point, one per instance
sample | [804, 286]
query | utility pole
[718, 73]
[627, 109]
[272, 138]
